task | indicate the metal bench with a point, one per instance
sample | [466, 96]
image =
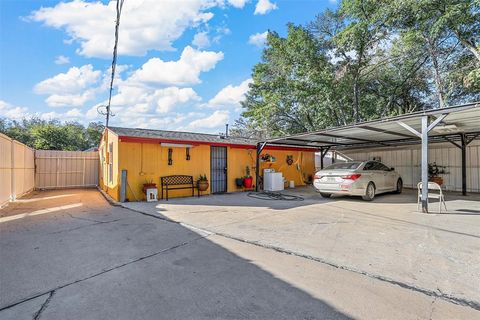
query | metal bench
[177, 182]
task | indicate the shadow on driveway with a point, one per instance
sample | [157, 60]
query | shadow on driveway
[104, 262]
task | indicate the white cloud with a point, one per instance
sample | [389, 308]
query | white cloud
[201, 40]
[74, 113]
[12, 112]
[237, 3]
[73, 100]
[72, 88]
[214, 121]
[264, 7]
[230, 96]
[258, 39]
[73, 81]
[166, 99]
[142, 99]
[156, 89]
[92, 112]
[62, 60]
[144, 25]
[184, 71]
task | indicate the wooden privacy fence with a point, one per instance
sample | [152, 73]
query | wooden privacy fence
[66, 169]
[16, 169]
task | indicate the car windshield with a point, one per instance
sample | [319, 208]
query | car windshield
[344, 165]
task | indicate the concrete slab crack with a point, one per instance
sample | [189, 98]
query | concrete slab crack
[85, 226]
[87, 219]
[459, 301]
[103, 272]
[431, 293]
[38, 314]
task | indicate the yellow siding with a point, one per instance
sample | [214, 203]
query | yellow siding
[147, 162]
[302, 167]
[237, 160]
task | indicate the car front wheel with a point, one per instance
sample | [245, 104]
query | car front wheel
[369, 192]
[399, 186]
[325, 195]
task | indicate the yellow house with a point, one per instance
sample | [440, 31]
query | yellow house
[144, 155]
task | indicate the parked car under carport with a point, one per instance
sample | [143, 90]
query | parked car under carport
[357, 178]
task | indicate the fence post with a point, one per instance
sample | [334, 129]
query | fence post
[83, 174]
[56, 171]
[12, 172]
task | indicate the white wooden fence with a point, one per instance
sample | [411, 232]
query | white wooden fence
[66, 169]
[16, 169]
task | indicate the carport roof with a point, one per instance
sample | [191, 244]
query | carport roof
[462, 119]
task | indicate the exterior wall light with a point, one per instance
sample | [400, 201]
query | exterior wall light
[170, 153]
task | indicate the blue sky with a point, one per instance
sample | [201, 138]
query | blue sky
[182, 65]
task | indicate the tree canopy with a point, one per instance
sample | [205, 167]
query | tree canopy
[366, 60]
[52, 134]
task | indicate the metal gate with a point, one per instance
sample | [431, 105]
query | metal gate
[65, 169]
[218, 169]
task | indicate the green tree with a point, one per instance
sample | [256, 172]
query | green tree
[94, 133]
[291, 89]
[52, 134]
[446, 32]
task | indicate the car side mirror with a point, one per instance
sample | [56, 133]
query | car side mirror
[392, 169]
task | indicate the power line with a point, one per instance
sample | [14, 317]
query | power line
[108, 113]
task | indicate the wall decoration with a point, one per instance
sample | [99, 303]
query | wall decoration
[290, 159]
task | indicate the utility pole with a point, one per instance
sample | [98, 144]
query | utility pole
[108, 113]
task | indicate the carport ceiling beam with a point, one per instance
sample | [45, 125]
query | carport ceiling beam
[453, 142]
[412, 130]
[394, 133]
[283, 143]
[472, 138]
[436, 121]
[320, 141]
[346, 137]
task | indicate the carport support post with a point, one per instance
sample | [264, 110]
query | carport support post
[464, 164]
[424, 164]
[323, 153]
[260, 147]
[321, 158]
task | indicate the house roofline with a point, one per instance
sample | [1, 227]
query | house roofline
[210, 143]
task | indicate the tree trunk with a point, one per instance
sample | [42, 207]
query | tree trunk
[356, 114]
[436, 71]
[467, 44]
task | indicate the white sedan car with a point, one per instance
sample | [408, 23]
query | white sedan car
[357, 178]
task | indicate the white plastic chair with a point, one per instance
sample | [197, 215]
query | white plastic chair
[434, 195]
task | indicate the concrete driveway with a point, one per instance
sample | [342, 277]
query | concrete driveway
[387, 239]
[70, 255]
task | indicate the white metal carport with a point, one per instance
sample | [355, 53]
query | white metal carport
[459, 125]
